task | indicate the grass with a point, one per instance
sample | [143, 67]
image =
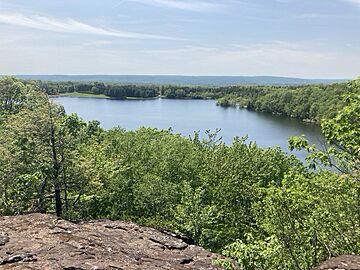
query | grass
[141, 98]
[77, 94]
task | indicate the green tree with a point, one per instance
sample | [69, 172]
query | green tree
[40, 148]
[342, 134]
[309, 216]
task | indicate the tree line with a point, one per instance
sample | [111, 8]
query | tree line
[259, 206]
[307, 102]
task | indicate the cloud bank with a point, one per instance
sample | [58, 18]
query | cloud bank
[191, 5]
[69, 25]
[355, 2]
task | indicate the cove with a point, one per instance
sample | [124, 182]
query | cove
[188, 116]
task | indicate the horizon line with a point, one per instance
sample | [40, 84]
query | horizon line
[184, 75]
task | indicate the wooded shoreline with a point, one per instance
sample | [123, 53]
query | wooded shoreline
[310, 103]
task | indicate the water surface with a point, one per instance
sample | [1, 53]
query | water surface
[187, 116]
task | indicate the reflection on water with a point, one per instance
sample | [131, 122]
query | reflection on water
[187, 116]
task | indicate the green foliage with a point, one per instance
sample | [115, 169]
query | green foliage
[38, 139]
[11, 95]
[311, 103]
[342, 134]
[253, 254]
[306, 220]
[260, 206]
[202, 188]
[311, 216]
[113, 90]
[17, 195]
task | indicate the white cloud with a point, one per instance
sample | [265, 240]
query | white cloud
[192, 5]
[70, 26]
[355, 2]
[185, 49]
[97, 43]
[270, 58]
[311, 16]
[280, 53]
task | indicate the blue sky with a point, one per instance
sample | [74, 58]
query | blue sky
[299, 38]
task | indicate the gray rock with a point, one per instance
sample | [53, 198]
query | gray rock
[4, 239]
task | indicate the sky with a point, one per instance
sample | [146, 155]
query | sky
[293, 38]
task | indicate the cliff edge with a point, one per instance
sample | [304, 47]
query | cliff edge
[39, 241]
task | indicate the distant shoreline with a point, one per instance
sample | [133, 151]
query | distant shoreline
[183, 80]
[101, 96]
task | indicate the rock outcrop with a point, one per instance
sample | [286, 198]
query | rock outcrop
[39, 241]
[343, 262]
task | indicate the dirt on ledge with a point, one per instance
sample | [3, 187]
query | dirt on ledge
[39, 241]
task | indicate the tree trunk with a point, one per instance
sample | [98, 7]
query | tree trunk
[58, 203]
[42, 206]
[56, 166]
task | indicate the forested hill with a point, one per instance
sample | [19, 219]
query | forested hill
[183, 80]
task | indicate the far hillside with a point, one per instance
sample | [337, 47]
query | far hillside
[183, 80]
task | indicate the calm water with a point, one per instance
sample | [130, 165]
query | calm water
[187, 116]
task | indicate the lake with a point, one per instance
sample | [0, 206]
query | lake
[187, 116]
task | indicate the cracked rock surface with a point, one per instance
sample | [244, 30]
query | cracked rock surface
[39, 241]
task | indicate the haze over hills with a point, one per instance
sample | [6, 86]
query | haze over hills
[184, 80]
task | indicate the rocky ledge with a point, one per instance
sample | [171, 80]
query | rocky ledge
[343, 262]
[39, 241]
